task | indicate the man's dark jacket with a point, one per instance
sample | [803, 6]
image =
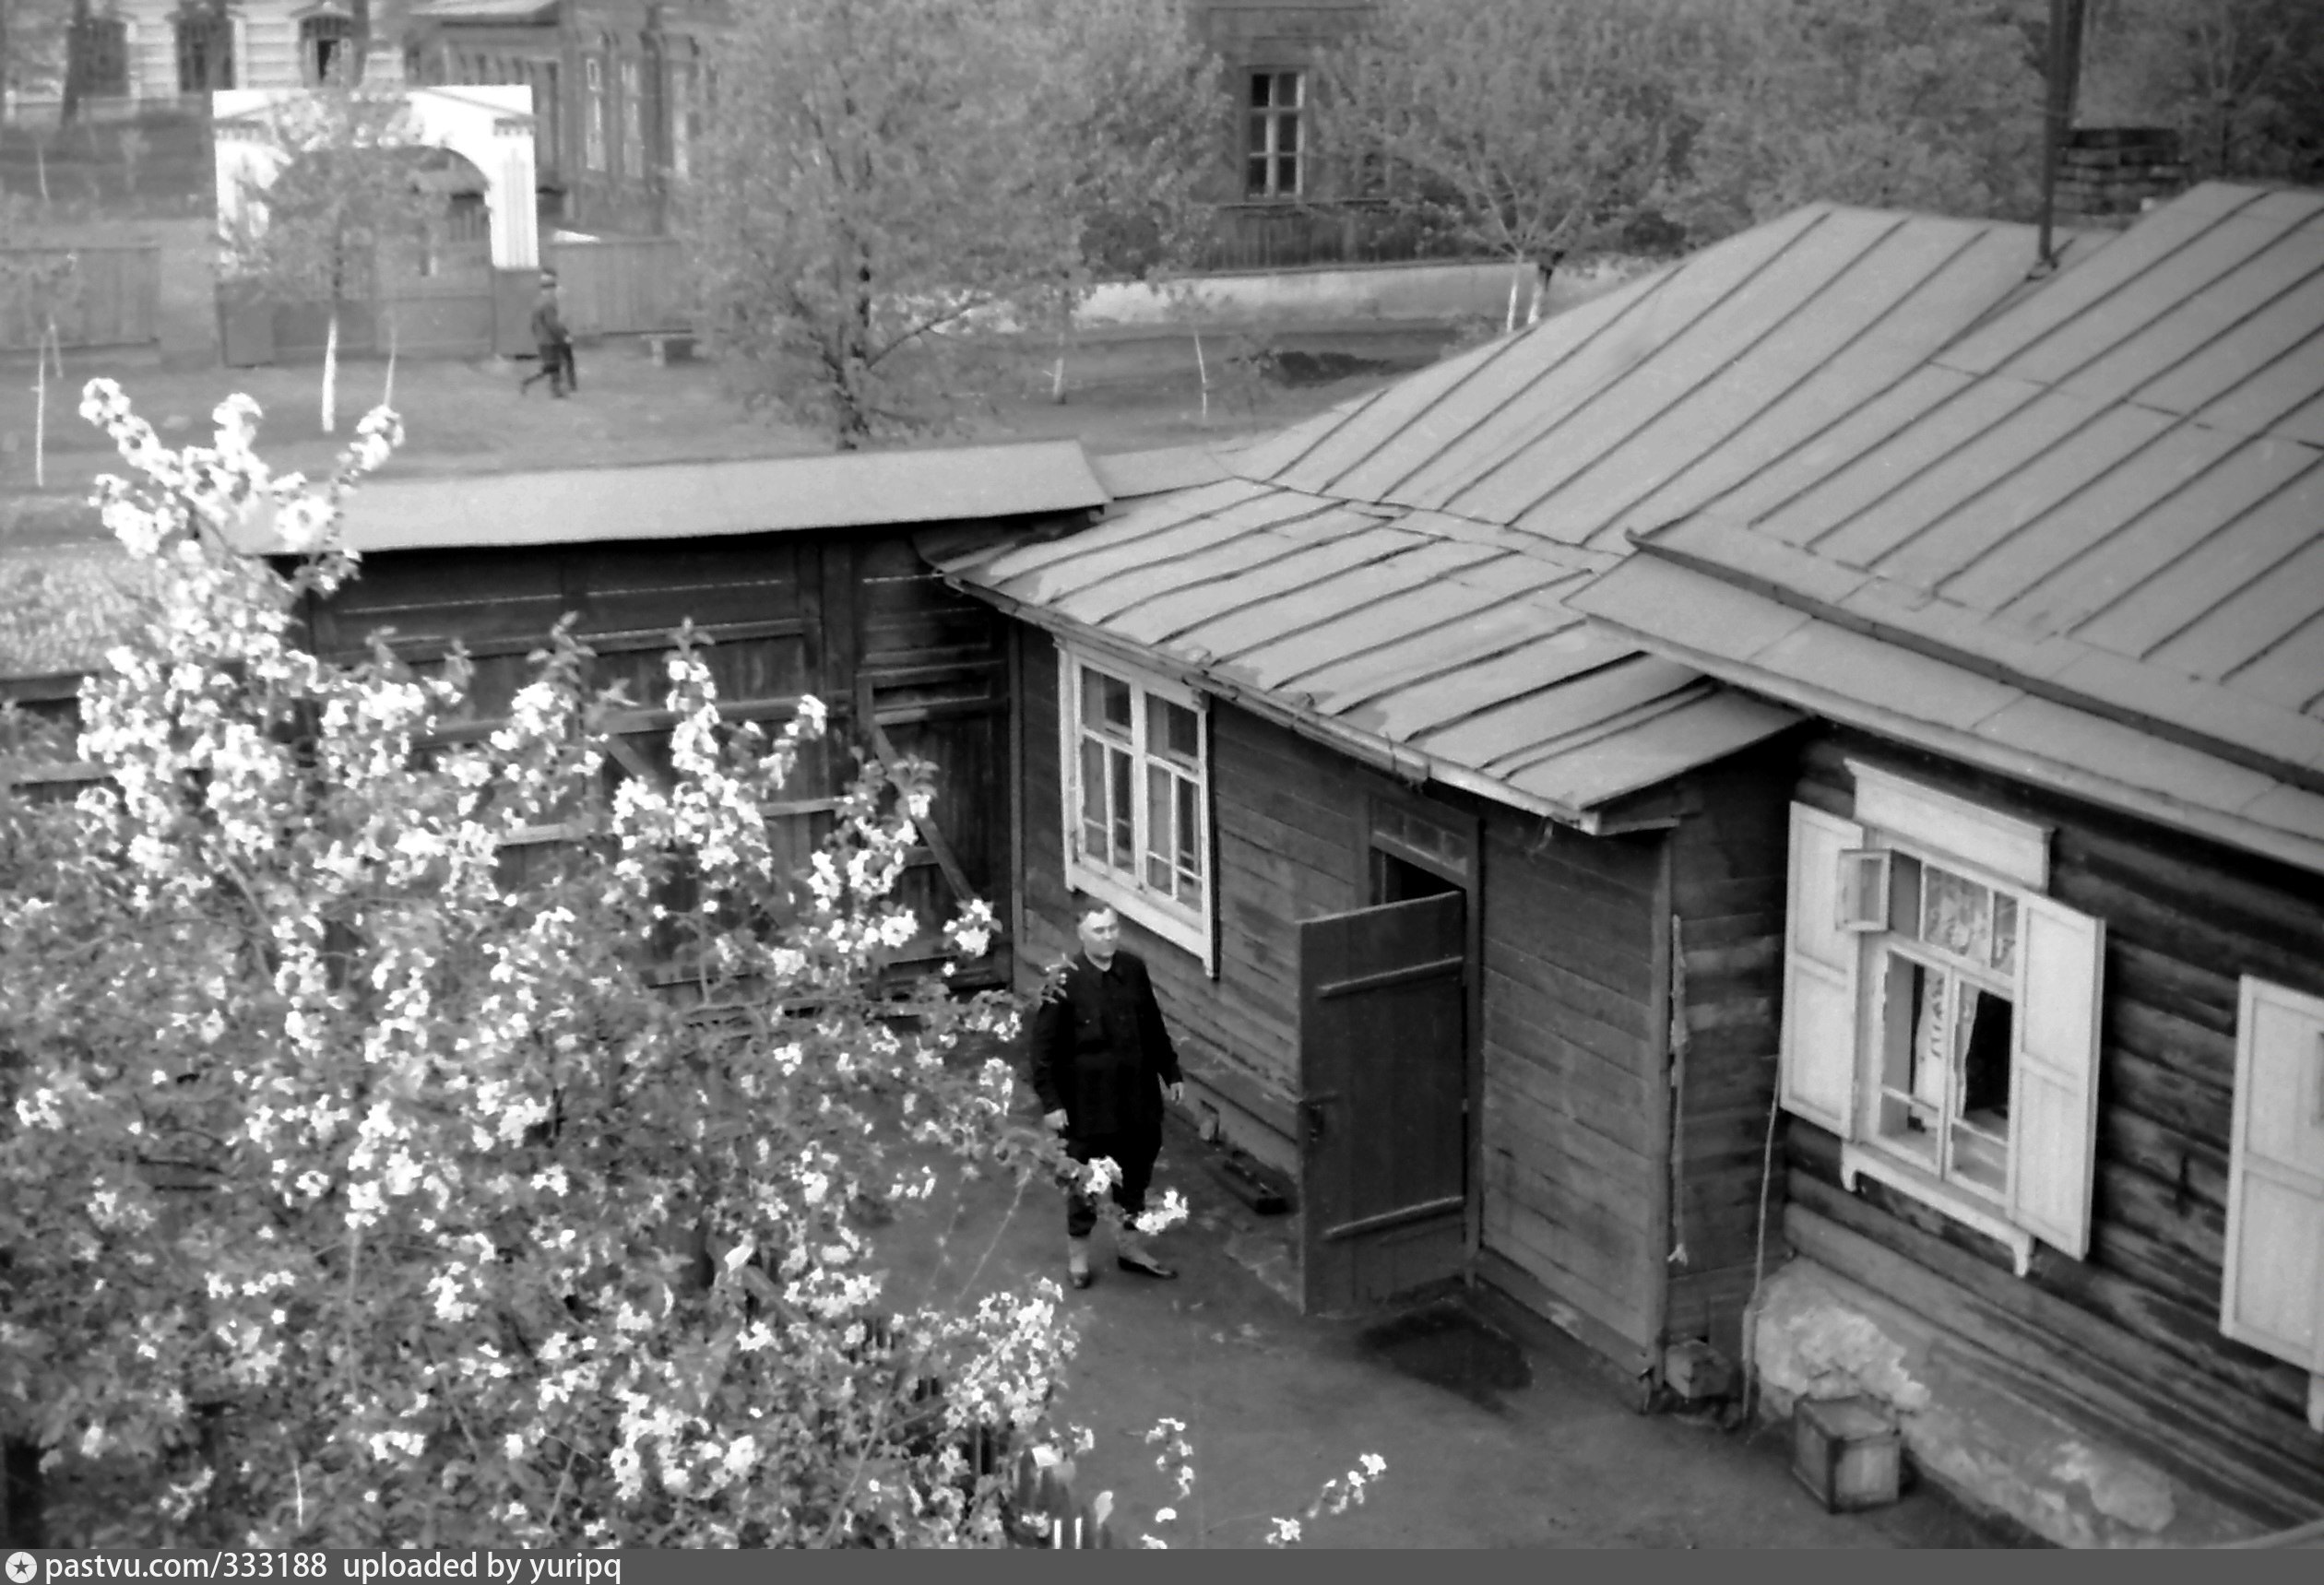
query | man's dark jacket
[1101, 1051]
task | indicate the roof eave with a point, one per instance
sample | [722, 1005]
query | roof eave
[2212, 824]
[1396, 760]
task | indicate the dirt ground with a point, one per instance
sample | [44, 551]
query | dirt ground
[1490, 1441]
[466, 416]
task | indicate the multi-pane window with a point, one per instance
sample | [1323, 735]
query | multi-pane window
[633, 122]
[1136, 799]
[1941, 1010]
[593, 113]
[205, 50]
[1274, 152]
[330, 48]
[1948, 964]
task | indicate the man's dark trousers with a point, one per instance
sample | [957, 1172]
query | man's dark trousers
[1134, 1152]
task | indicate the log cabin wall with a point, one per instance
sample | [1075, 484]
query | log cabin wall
[1728, 857]
[1288, 818]
[854, 618]
[2129, 1337]
[1575, 1109]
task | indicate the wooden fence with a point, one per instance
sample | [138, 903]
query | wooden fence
[1287, 236]
[619, 286]
[111, 297]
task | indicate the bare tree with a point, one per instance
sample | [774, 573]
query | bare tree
[885, 184]
[1524, 127]
[343, 192]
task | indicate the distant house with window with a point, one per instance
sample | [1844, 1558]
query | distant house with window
[617, 91]
[1279, 199]
[2051, 976]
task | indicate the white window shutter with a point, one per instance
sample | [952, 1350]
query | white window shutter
[1818, 1070]
[2273, 1296]
[2054, 1072]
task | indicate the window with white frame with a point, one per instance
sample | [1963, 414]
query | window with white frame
[2272, 1295]
[593, 113]
[1136, 786]
[633, 121]
[1940, 1012]
[1275, 154]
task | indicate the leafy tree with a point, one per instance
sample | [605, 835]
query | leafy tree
[361, 1185]
[885, 184]
[1523, 127]
[363, 1191]
[1890, 103]
[342, 195]
[2241, 80]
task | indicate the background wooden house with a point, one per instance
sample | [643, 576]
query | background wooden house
[1465, 910]
[619, 91]
[2053, 980]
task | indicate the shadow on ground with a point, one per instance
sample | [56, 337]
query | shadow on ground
[1490, 1441]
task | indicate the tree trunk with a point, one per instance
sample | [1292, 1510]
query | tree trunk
[78, 30]
[330, 373]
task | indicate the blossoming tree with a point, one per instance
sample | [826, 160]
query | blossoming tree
[358, 1189]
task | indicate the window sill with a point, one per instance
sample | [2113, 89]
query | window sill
[1190, 935]
[1859, 1161]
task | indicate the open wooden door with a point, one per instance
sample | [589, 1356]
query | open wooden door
[1384, 1101]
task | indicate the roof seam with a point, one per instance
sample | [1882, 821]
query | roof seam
[1600, 391]
[1654, 288]
[1897, 223]
[1703, 457]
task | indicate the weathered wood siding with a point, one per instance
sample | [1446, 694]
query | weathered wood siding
[1288, 816]
[1575, 1086]
[856, 619]
[2130, 1336]
[1728, 866]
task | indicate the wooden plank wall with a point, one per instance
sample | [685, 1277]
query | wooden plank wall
[1289, 815]
[790, 614]
[1728, 866]
[2129, 1337]
[1575, 1087]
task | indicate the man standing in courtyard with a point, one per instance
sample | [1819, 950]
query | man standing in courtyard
[554, 343]
[1102, 1063]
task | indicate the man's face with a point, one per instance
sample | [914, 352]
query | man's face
[1100, 933]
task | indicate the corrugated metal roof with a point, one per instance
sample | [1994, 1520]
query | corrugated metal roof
[1394, 574]
[2112, 492]
[696, 500]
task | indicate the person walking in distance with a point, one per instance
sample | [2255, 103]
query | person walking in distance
[551, 337]
[1102, 1064]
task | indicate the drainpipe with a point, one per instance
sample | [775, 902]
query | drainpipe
[2065, 63]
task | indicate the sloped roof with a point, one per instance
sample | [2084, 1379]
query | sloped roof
[699, 499]
[2084, 544]
[1394, 574]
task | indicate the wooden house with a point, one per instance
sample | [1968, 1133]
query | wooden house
[2052, 977]
[1463, 910]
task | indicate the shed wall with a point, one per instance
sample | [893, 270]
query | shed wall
[1728, 864]
[1575, 1095]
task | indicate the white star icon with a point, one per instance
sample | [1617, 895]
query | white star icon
[22, 1567]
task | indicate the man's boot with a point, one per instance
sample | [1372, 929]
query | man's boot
[1131, 1255]
[1077, 1261]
